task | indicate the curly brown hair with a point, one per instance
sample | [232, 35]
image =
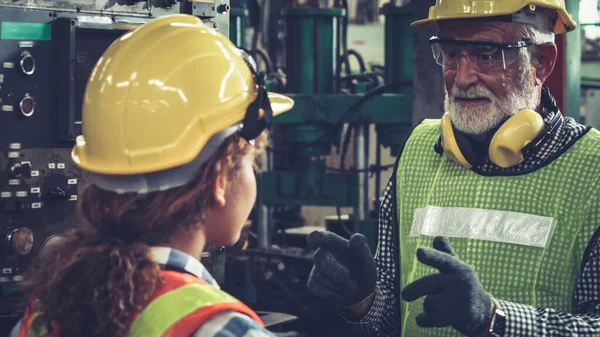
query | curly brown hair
[102, 273]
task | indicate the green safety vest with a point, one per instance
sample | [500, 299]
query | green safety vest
[525, 235]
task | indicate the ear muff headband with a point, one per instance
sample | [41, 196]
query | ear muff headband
[259, 113]
[258, 116]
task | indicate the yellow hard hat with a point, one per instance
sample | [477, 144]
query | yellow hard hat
[467, 9]
[160, 92]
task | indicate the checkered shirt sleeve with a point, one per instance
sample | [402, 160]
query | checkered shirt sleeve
[384, 317]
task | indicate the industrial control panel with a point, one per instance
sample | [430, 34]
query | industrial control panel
[47, 52]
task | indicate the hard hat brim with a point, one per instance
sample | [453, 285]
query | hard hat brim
[568, 24]
[280, 103]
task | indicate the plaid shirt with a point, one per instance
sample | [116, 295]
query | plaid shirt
[521, 320]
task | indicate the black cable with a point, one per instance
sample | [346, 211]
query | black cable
[359, 58]
[266, 59]
[345, 143]
[381, 89]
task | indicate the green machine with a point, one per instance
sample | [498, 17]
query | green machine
[325, 101]
[237, 24]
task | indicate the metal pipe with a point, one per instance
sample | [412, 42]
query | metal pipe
[263, 212]
[361, 162]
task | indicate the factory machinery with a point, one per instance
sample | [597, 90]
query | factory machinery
[335, 106]
[47, 51]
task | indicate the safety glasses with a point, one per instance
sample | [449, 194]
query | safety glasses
[486, 57]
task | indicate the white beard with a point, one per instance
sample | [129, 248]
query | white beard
[478, 120]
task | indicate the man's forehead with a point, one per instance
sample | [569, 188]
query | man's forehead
[491, 31]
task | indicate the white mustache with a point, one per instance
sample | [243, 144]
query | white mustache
[472, 92]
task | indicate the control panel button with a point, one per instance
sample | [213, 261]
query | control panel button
[27, 106]
[223, 8]
[58, 193]
[15, 170]
[46, 249]
[27, 63]
[26, 170]
[20, 240]
[18, 170]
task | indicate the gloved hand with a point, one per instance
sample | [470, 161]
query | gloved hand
[344, 271]
[455, 297]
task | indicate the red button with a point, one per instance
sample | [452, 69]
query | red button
[27, 106]
[21, 240]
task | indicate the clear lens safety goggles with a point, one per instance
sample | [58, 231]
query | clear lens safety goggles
[486, 57]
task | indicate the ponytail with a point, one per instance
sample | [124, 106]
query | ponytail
[92, 285]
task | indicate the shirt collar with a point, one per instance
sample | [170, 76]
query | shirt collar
[174, 259]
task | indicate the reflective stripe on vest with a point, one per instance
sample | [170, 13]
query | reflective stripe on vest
[166, 310]
[524, 235]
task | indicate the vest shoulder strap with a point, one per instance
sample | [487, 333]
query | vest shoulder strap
[34, 324]
[181, 304]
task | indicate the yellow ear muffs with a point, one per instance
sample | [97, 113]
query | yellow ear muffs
[506, 146]
[449, 144]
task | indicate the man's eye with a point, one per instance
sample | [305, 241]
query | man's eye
[486, 57]
[451, 54]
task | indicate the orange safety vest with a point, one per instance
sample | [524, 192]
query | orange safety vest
[179, 306]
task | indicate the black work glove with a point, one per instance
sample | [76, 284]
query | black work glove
[455, 297]
[344, 271]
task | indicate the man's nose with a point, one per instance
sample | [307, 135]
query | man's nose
[466, 74]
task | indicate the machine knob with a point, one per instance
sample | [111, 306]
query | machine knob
[19, 170]
[223, 8]
[27, 106]
[58, 193]
[27, 63]
[20, 240]
[47, 248]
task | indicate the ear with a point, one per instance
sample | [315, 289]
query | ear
[219, 191]
[546, 60]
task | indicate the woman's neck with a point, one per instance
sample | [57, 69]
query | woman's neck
[191, 243]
